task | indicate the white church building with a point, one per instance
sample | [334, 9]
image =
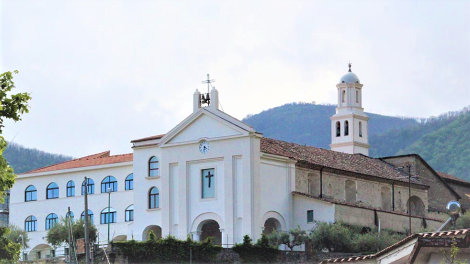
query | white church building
[212, 175]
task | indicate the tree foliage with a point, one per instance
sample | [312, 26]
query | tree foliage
[338, 237]
[261, 252]
[167, 250]
[12, 107]
[17, 235]
[295, 237]
[59, 235]
[9, 251]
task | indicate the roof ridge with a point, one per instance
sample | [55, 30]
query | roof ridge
[95, 156]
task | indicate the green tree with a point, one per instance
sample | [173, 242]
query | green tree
[59, 234]
[17, 235]
[452, 259]
[152, 236]
[295, 237]
[9, 251]
[12, 107]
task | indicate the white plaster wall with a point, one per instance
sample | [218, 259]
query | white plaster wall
[322, 211]
[20, 210]
[275, 193]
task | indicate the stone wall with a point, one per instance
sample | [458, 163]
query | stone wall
[368, 192]
[438, 192]
[388, 220]
[462, 189]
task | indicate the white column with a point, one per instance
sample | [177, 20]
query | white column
[214, 98]
[196, 101]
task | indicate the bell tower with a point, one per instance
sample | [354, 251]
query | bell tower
[349, 126]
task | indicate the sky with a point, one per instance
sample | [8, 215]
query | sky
[102, 73]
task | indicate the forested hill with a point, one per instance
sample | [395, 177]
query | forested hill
[24, 159]
[444, 141]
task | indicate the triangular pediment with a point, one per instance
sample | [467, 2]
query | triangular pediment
[206, 124]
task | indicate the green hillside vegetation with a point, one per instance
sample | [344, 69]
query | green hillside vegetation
[24, 159]
[443, 141]
[309, 123]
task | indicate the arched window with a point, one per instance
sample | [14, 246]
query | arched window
[343, 96]
[108, 215]
[30, 224]
[130, 213]
[154, 198]
[51, 220]
[360, 129]
[386, 195]
[153, 167]
[338, 129]
[90, 215]
[357, 96]
[350, 191]
[70, 189]
[346, 128]
[52, 191]
[91, 186]
[71, 215]
[30, 194]
[109, 184]
[130, 182]
[416, 206]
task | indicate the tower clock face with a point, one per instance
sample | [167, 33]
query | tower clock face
[204, 147]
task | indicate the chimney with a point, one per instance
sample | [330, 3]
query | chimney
[214, 98]
[196, 101]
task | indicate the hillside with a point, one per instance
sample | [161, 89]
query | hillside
[444, 141]
[309, 124]
[24, 159]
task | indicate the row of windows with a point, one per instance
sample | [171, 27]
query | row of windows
[346, 128]
[108, 215]
[109, 184]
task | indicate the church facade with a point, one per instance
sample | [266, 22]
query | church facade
[213, 175]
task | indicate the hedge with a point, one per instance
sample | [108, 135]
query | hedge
[167, 250]
[261, 252]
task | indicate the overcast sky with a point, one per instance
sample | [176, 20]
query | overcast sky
[102, 73]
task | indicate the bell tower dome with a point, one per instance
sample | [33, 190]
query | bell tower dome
[349, 126]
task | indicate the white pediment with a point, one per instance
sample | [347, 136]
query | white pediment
[204, 125]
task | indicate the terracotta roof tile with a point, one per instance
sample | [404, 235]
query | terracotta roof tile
[148, 138]
[101, 158]
[357, 163]
[451, 177]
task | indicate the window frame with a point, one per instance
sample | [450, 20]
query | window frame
[214, 182]
[90, 215]
[27, 191]
[104, 216]
[111, 182]
[33, 223]
[129, 213]
[154, 197]
[150, 169]
[360, 129]
[89, 185]
[312, 220]
[51, 221]
[346, 128]
[70, 188]
[53, 190]
[338, 129]
[129, 183]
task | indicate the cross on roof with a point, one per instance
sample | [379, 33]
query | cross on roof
[208, 81]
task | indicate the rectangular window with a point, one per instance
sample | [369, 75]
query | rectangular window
[310, 216]
[208, 183]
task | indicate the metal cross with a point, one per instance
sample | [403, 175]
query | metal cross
[209, 176]
[350, 64]
[208, 81]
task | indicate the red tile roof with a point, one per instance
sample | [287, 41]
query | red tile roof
[451, 177]
[402, 242]
[91, 160]
[148, 138]
[357, 163]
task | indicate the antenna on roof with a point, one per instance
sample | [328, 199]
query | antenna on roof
[206, 99]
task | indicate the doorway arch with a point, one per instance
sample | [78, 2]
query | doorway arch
[157, 230]
[210, 228]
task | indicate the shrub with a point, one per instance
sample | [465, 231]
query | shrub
[261, 252]
[166, 250]
[463, 221]
[293, 238]
[335, 237]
